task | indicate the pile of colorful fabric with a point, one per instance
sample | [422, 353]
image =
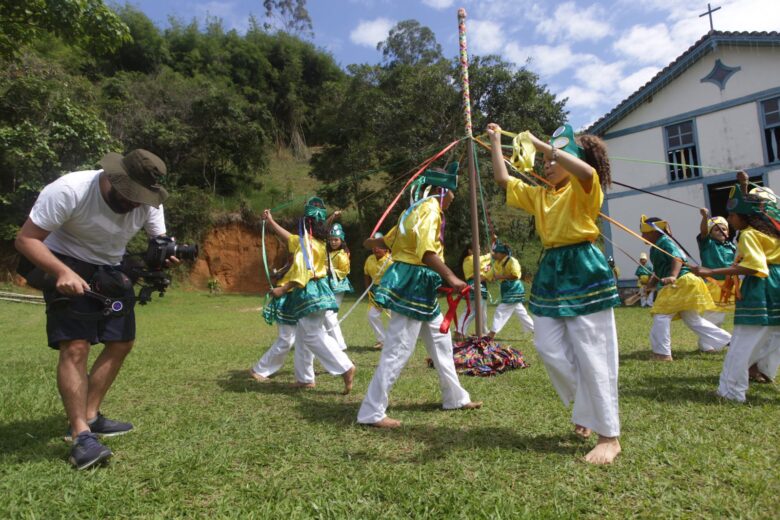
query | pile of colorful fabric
[484, 357]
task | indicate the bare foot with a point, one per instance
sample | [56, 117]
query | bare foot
[349, 377]
[473, 405]
[298, 384]
[755, 375]
[378, 345]
[661, 357]
[257, 377]
[607, 448]
[387, 423]
[582, 431]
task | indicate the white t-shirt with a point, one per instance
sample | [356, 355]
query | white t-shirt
[83, 226]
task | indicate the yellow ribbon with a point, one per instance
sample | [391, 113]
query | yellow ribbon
[523, 150]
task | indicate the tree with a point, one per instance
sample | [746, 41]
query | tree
[86, 22]
[410, 43]
[291, 15]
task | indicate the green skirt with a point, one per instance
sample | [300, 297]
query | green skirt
[573, 281]
[340, 286]
[512, 291]
[409, 290]
[484, 289]
[276, 311]
[315, 297]
[760, 303]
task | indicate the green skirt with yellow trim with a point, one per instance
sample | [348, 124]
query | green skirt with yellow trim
[409, 290]
[512, 291]
[276, 311]
[573, 281]
[340, 286]
[316, 296]
[760, 303]
[689, 293]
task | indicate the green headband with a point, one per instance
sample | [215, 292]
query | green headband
[563, 139]
[446, 178]
[315, 208]
[337, 231]
[502, 248]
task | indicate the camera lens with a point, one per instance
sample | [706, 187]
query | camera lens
[185, 252]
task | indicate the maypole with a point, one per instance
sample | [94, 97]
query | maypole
[464, 78]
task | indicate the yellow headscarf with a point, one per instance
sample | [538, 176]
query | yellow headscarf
[646, 227]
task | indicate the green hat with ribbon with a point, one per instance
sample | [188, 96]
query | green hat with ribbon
[563, 139]
[738, 204]
[445, 178]
[315, 208]
[337, 231]
[500, 247]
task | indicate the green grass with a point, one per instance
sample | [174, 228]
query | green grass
[208, 441]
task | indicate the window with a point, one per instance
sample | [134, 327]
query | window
[681, 153]
[771, 111]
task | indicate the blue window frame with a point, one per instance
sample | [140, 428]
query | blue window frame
[770, 113]
[681, 152]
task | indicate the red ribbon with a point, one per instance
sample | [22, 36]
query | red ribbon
[452, 306]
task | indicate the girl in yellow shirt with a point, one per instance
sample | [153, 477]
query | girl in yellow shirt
[574, 291]
[467, 263]
[338, 271]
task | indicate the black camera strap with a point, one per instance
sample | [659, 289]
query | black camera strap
[111, 307]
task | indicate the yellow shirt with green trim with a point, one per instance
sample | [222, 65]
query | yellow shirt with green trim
[297, 273]
[468, 265]
[509, 267]
[317, 252]
[756, 250]
[562, 217]
[339, 262]
[375, 267]
[421, 235]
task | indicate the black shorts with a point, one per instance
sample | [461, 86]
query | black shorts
[63, 325]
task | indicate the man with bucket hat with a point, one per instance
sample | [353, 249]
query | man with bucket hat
[78, 229]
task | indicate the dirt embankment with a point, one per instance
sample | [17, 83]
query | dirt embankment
[231, 254]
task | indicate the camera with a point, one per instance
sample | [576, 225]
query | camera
[160, 248]
[147, 269]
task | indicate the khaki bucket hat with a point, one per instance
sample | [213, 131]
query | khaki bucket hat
[136, 176]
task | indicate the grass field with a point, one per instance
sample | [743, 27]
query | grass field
[210, 442]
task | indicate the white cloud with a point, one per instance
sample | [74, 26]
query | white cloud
[370, 32]
[228, 12]
[485, 37]
[545, 59]
[580, 97]
[572, 23]
[439, 4]
[599, 76]
[631, 83]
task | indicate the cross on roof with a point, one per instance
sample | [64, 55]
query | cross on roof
[709, 12]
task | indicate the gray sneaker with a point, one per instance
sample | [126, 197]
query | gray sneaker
[104, 427]
[87, 451]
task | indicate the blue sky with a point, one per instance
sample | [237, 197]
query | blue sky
[594, 53]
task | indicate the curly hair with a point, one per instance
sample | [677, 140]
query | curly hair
[760, 222]
[596, 155]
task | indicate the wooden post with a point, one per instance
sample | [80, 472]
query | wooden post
[464, 77]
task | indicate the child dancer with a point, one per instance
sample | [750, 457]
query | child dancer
[375, 267]
[338, 269]
[467, 263]
[643, 273]
[408, 289]
[311, 297]
[574, 290]
[757, 315]
[716, 251]
[683, 295]
[506, 269]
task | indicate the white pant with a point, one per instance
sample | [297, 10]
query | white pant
[312, 340]
[769, 362]
[710, 337]
[465, 321]
[375, 320]
[402, 335]
[646, 297]
[581, 357]
[332, 324]
[749, 344]
[274, 357]
[504, 311]
[717, 319]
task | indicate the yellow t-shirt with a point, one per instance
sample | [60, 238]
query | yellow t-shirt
[508, 267]
[468, 265]
[375, 267]
[339, 262]
[563, 217]
[316, 251]
[756, 250]
[421, 235]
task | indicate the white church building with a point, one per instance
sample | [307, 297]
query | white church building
[713, 110]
